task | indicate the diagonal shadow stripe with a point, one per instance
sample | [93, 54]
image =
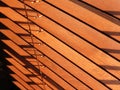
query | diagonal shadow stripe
[110, 82]
[112, 33]
[111, 67]
[111, 50]
[114, 12]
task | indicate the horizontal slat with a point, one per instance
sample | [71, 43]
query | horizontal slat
[73, 41]
[75, 56]
[21, 81]
[101, 57]
[76, 71]
[90, 53]
[19, 85]
[79, 28]
[48, 83]
[111, 7]
[12, 45]
[84, 14]
[70, 79]
[97, 56]
[21, 75]
[60, 81]
[35, 79]
[62, 50]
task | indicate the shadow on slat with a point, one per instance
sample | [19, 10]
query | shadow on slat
[2, 4]
[111, 67]
[20, 22]
[23, 9]
[3, 37]
[111, 82]
[23, 59]
[114, 12]
[111, 51]
[2, 26]
[6, 81]
[112, 33]
[96, 11]
[22, 34]
[2, 15]
[26, 46]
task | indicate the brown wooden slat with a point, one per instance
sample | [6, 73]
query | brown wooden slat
[15, 57]
[81, 75]
[37, 81]
[77, 84]
[20, 67]
[19, 85]
[20, 50]
[14, 62]
[21, 75]
[70, 79]
[72, 41]
[21, 81]
[81, 29]
[110, 65]
[75, 56]
[16, 18]
[18, 78]
[56, 42]
[67, 64]
[84, 14]
[49, 74]
[112, 7]
[16, 71]
[54, 77]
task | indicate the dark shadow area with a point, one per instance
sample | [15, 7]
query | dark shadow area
[112, 33]
[111, 82]
[5, 78]
[114, 12]
[22, 34]
[19, 22]
[2, 26]
[2, 15]
[2, 4]
[28, 57]
[29, 65]
[111, 67]
[23, 9]
[26, 46]
[12, 72]
[96, 11]
[3, 37]
[111, 50]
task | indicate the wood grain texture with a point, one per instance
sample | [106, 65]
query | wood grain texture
[63, 44]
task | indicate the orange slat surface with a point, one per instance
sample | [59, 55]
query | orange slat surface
[80, 11]
[79, 28]
[67, 50]
[112, 7]
[76, 83]
[23, 77]
[63, 83]
[67, 65]
[62, 44]
[22, 69]
[19, 85]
